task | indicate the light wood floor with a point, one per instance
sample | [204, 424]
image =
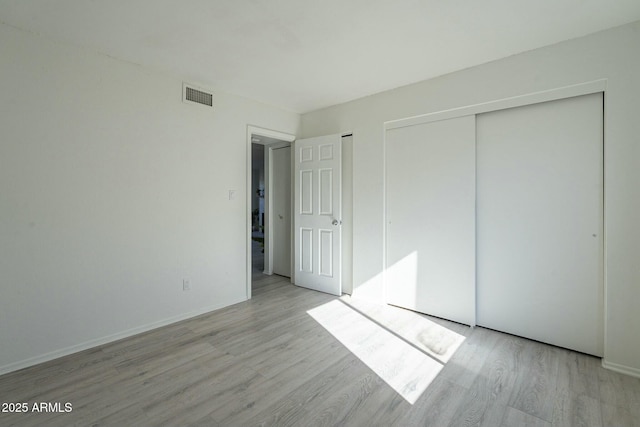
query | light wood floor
[267, 362]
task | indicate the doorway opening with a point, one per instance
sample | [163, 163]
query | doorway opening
[257, 209]
[268, 218]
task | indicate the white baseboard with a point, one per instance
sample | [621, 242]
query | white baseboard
[628, 370]
[11, 367]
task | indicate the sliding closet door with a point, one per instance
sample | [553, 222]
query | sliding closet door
[540, 223]
[430, 218]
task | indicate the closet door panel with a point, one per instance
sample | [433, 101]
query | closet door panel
[430, 218]
[540, 222]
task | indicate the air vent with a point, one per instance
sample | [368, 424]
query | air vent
[194, 95]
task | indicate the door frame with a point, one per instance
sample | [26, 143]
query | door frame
[268, 133]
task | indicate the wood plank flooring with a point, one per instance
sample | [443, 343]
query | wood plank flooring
[268, 362]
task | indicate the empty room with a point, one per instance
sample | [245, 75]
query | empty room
[349, 213]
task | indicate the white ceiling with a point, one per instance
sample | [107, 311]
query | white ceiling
[303, 55]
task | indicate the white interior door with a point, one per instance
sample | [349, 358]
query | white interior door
[540, 222]
[317, 217]
[430, 218]
[281, 209]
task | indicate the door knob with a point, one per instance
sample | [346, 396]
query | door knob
[336, 222]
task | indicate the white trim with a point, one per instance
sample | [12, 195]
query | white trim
[269, 133]
[11, 367]
[385, 293]
[605, 235]
[502, 104]
[287, 137]
[623, 369]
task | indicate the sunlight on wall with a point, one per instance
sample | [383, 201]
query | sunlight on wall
[370, 289]
[403, 275]
[407, 355]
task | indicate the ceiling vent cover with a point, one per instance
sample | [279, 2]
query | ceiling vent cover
[191, 94]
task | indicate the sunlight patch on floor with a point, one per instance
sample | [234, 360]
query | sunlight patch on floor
[401, 364]
[434, 339]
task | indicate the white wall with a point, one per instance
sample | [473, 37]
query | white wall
[612, 54]
[347, 217]
[111, 192]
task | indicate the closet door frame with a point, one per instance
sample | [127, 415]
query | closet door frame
[502, 104]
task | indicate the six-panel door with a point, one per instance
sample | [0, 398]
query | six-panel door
[318, 196]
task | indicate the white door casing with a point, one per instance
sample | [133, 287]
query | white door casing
[317, 213]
